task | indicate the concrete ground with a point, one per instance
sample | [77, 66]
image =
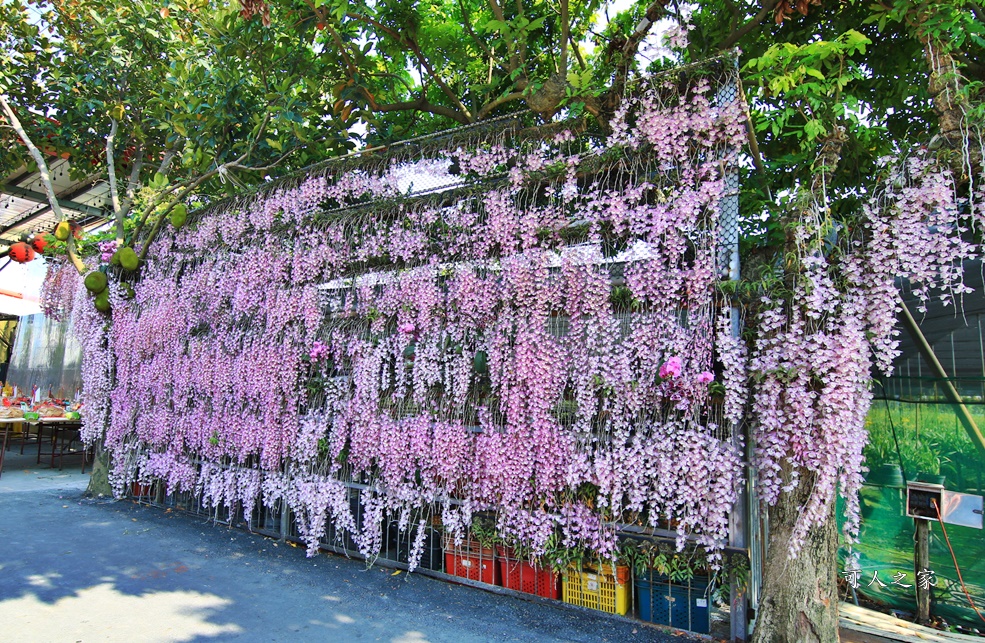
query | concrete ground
[78, 571]
[75, 570]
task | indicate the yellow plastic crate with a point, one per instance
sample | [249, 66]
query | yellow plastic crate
[599, 589]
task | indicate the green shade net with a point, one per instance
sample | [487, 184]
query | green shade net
[929, 441]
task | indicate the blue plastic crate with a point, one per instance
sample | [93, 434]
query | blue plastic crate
[685, 607]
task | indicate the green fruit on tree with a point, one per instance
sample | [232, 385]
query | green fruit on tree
[102, 302]
[179, 215]
[63, 230]
[95, 282]
[115, 259]
[128, 258]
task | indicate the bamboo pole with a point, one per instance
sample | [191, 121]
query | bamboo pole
[964, 415]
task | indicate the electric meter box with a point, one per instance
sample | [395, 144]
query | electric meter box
[921, 497]
[955, 508]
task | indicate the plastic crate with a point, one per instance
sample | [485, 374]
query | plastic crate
[598, 588]
[684, 606]
[141, 492]
[471, 560]
[519, 575]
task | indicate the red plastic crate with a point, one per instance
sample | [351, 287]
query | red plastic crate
[519, 575]
[471, 560]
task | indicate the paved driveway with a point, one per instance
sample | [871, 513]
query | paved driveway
[78, 570]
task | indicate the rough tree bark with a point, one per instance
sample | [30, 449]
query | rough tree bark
[99, 486]
[799, 602]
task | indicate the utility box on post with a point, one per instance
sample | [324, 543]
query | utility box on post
[954, 508]
[924, 499]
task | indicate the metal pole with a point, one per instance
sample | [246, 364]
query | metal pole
[742, 518]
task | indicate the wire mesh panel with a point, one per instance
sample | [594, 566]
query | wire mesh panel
[685, 605]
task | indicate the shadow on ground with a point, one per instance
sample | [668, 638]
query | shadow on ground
[83, 570]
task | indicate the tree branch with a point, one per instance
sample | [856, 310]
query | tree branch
[969, 66]
[409, 42]
[179, 197]
[114, 193]
[467, 24]
[169, 155]
[490, 106]
[36, 155]
[420, 104]
[565, 36]
[49, 187]
[748, 26]
[497, 11]
[628, 50]
[577, 52]
[186, 186]
[523, 42]
[133, 182]
[977, 10]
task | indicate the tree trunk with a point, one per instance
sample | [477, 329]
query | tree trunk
[951, 105]
[99, 486]
[799, 601]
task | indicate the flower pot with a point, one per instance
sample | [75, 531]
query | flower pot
[931, 478]
[886, 475]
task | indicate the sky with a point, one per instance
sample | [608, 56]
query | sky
[25, 279]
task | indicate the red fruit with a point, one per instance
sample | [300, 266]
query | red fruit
[39, 243]
[320, 26]
[21, 252]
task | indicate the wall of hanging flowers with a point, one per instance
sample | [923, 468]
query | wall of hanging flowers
[507, 319]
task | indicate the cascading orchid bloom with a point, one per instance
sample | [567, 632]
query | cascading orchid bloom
[515, 337]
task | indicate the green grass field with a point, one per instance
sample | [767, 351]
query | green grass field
[931, 440]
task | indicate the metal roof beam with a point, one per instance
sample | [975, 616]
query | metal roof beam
[38, 197]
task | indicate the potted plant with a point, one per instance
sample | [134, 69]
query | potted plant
[673, 587]
[475, 557]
